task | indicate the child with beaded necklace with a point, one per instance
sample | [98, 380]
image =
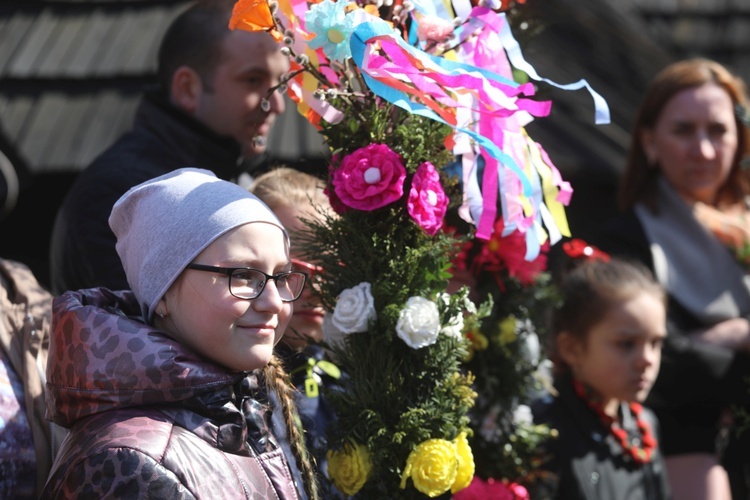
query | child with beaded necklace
[608, 333]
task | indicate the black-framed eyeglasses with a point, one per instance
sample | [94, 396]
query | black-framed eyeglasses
[248, 283]
[308, 268]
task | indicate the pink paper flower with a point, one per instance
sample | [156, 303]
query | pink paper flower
[427, 201]
[497, 490]
[336, 204]
[370, 178]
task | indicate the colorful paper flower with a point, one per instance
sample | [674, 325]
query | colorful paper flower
[332, 335]
[509, 253]
[531, 348]
[418, 322]
[254, 15]
[355, 309]
[579, 249]
[432, 467]
[479, 342]
[480, 489]
[523, 415]
[427, 201]
[370, 178]
[507, 331]
[332, 27]
[465, 471]
[333, 199]
[349, 468]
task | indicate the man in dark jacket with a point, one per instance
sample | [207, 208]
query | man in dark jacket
[212, 109]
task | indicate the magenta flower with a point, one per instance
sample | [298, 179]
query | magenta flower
[492, 488]
[427, 201]
[370, 178]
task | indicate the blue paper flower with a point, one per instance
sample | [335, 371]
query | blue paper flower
[332, 27]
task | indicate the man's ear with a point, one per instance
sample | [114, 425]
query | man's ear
[568, 348]
[186, 89]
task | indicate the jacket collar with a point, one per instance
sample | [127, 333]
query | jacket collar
[200, 146]
[107, 358]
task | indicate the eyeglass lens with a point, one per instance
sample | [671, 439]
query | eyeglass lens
[249, 283]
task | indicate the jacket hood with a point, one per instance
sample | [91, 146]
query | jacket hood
[102, 356]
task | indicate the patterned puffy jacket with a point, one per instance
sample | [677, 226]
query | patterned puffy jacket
[149, 418]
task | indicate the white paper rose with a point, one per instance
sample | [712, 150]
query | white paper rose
[522, 415]
[455, 327]
[332, 335]
[418, 322]
[355, 308]
[531, 348]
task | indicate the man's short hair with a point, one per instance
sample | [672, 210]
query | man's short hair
[194, 39]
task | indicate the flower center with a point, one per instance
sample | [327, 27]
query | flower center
[372, 175]
[335, 36]
[432, 198]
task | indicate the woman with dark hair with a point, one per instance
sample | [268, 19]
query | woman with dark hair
[685, 212]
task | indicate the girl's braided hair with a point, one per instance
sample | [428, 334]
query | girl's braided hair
[277, 380]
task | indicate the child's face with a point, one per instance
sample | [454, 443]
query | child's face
[621, 356]
[200, 312]
[307, 320]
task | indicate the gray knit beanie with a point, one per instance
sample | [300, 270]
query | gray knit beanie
[164, 223]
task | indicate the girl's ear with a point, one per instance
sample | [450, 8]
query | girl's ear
[161, 308]
[569, 348]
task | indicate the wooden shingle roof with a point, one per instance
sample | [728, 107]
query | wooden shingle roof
[73, 73]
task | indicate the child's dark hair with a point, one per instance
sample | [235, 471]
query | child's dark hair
[590, 289]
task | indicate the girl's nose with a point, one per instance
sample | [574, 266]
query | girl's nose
[269, 299]
[650, 355]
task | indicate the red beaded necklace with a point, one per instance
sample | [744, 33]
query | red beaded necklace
[641, 454]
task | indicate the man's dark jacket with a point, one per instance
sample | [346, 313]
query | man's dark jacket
[163, 139]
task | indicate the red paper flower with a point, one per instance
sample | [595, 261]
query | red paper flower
[508, 252]
[577, 248]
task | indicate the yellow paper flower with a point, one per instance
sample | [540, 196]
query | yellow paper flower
[349, 468]
[507, 329]
[479, 340]
[465, 463]
[432, 466]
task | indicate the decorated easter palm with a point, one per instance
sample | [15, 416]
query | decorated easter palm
[400, 91]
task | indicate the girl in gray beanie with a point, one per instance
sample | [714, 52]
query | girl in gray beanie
[166, 387]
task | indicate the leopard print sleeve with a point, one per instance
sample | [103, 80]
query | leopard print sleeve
[116, 473]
